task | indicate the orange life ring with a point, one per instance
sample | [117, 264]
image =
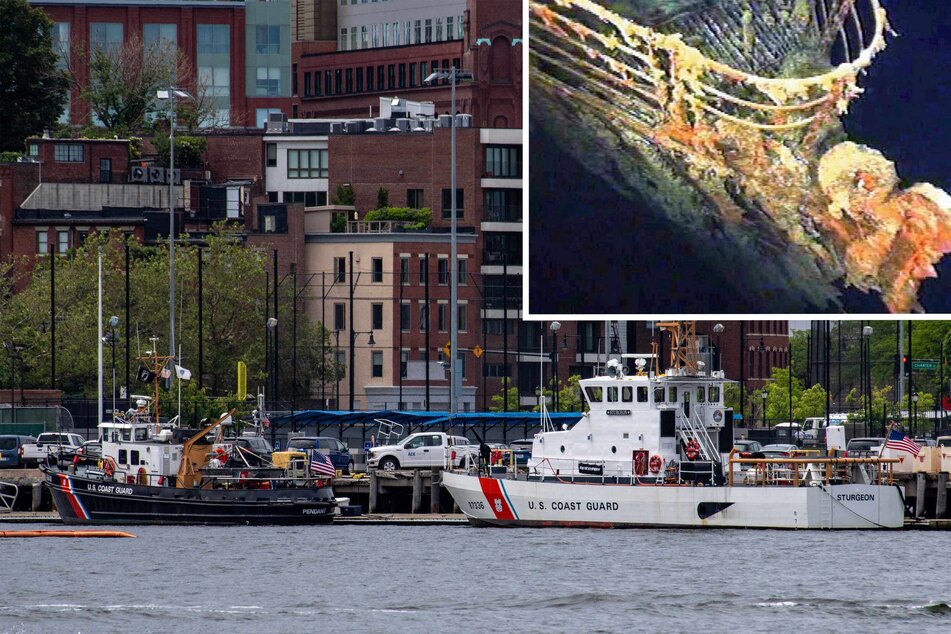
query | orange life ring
[143, 477]
[656, 463]
[108, 467]
[693, 449]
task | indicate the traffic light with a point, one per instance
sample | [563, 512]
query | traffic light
[906, 364]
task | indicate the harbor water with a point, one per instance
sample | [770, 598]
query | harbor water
[465, 579]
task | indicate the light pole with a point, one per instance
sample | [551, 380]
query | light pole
[867, 350]
[765, 394]
[453, 74]
[269, 327]
[555, 325]
[914, 401]
[718, 329]
[170, 94]
[111, 338]
[353, 340]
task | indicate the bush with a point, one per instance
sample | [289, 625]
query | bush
[9, 157]
[338, 224]
[344, 195]
[415, 219]
[189, 150]
[382, 198]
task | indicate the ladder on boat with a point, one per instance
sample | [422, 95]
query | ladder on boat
[694, 430]
[389, 431]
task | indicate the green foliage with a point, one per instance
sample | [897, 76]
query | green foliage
[382, 198]
[344, 195]
[414, 219]
[508, 395]
[32, 88]
[812, 402]
[189, 150]
[9, 157]
[232, 330]
[338, 223]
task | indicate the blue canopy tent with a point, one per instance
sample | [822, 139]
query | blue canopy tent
[496, 425]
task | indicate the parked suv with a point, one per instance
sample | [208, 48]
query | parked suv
[337, 451]
[864, 447]
[10, 450]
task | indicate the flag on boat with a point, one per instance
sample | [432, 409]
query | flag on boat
[182, 373]
[144, 375]
[901, 442]
[321, 465]
[166, 373]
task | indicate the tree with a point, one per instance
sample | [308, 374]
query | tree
[382, 198]
[344, 195]
[32, 87]
[812, 402]
[507, 396]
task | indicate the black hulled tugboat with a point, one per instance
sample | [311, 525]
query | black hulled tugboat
[155, 473]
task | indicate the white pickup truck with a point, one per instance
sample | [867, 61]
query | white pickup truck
[424, 449]
[48, 443]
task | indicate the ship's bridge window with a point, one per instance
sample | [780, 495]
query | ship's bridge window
[141, 434]
[135, 457]
[115, 435]
[672, 394]
[641, 393]
[627, 394]
[701, 394]
[127, 434]
[593, 393]
[714, 393]
[123, 457]
[658, 394]
[612, 395]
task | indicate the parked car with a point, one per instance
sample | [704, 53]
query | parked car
[926, 442]
[333, 448]
[522, 449]
[778, 451]
[864, 447]
[746, 448]
[255, 449]
[10, 450]
[424, 449]
[91, 449]
[49, 443]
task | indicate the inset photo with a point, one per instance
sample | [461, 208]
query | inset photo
[738, 157]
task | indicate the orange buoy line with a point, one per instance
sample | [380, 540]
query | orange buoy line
[61, 533]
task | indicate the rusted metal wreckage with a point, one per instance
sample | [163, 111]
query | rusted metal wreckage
[731, 111]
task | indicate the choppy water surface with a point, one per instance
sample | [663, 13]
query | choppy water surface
[463, 579]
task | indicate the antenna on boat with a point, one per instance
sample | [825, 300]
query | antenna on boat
[684, 353]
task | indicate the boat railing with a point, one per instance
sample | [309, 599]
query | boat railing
[8, 496]
[806, 470]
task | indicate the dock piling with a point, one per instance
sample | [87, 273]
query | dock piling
[921, 482]
[374, 486]
[435, 486]
[941, 501]
[417, 491]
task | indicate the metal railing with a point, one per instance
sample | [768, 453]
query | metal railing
[8, 496]
[797, 471]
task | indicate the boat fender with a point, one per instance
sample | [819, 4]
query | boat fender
[656, 463]
[693, 449]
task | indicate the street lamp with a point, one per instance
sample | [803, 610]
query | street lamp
[555, 325]
[353, 339]
[269, 361]
[914, 427]
[718, 329]
[765, 394]
[111, 339]
[170, 94]
[867, 351]
[453, 74]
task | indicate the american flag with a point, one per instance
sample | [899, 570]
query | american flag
[901, 442]
[321, 465]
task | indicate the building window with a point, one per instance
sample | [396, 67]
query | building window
[42, 242]
[503, 205]
[105, 170]
[268, 39]
[404, 363]
[160, 36]
[62, 241]
[386, 34]
[307, 163]
[376, 316]
[391, 76]
[450, 35]
[439, 29]
[423, 317]
[364, 37]
[376, 35]
[340, 317]
[105, 35]
[353, 39]
[429, 30]
[307, 84]
[459, 27]
[461, 363]
[338, 81]
[417, 32]
[377, 356]
[442, 316]
[423, 271]
[396, 34]
[404, 271]
[405, 316]
[268, 81]
[503, 161]
[442, 268]
[68, 152]
[414, 198]
[369, 79]
[462, 271]
[261, 116]
[380, 77]
[214, 38]
[271, 154]
[447, 203]
[463, 309]
[376, 273]
[348, 86]
[402, 76]
[340, 269]
[343, 38]
[412, 75]
[360, 79]
[216, 80]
